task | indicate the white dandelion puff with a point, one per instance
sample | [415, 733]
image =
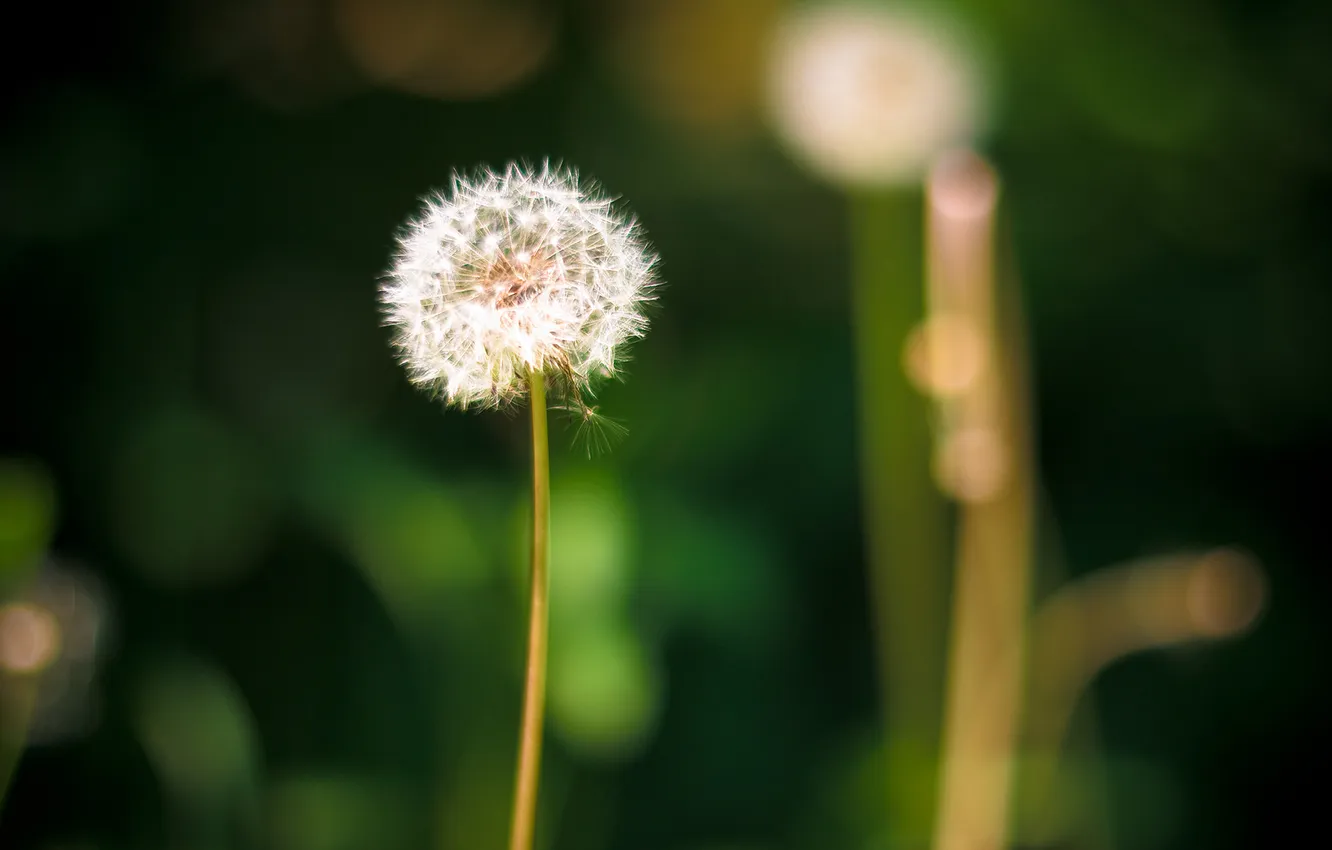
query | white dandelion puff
[503, 276]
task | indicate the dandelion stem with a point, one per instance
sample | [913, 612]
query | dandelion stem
[534, 695]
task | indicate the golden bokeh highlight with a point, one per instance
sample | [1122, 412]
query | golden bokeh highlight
[29, 638]
[945, 355]
[1224, 594]
[53, 637]
[451, 49]
[697, 64]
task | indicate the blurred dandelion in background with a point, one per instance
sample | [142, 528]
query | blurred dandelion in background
[29, 638]
[54, 636]
[866, 95]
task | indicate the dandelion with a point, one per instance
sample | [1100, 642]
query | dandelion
[507, 276]
[504, 286]
[867, 96]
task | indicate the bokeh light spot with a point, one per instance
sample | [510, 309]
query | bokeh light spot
[604, 691]
[867, 96]
[696, 63]
[58, 627]
[945, 355]
[457, 49]
[29, 638]
[591, 533]
[197, 730]
[1225, 593]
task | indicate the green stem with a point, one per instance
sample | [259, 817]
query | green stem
[534, 696]
[904, 514]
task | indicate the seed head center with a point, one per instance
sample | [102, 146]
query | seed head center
[518, 278]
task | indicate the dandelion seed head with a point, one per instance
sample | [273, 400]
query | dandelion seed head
[506, 274]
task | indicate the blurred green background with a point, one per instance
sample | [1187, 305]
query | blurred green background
[300, 583]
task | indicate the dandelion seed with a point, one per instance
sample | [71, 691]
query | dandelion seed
[508, 275]
[594, 431]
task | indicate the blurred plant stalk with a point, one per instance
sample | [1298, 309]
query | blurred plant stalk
[1014, 680]
[904, 514]
[1092, 622]
[969, 355]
